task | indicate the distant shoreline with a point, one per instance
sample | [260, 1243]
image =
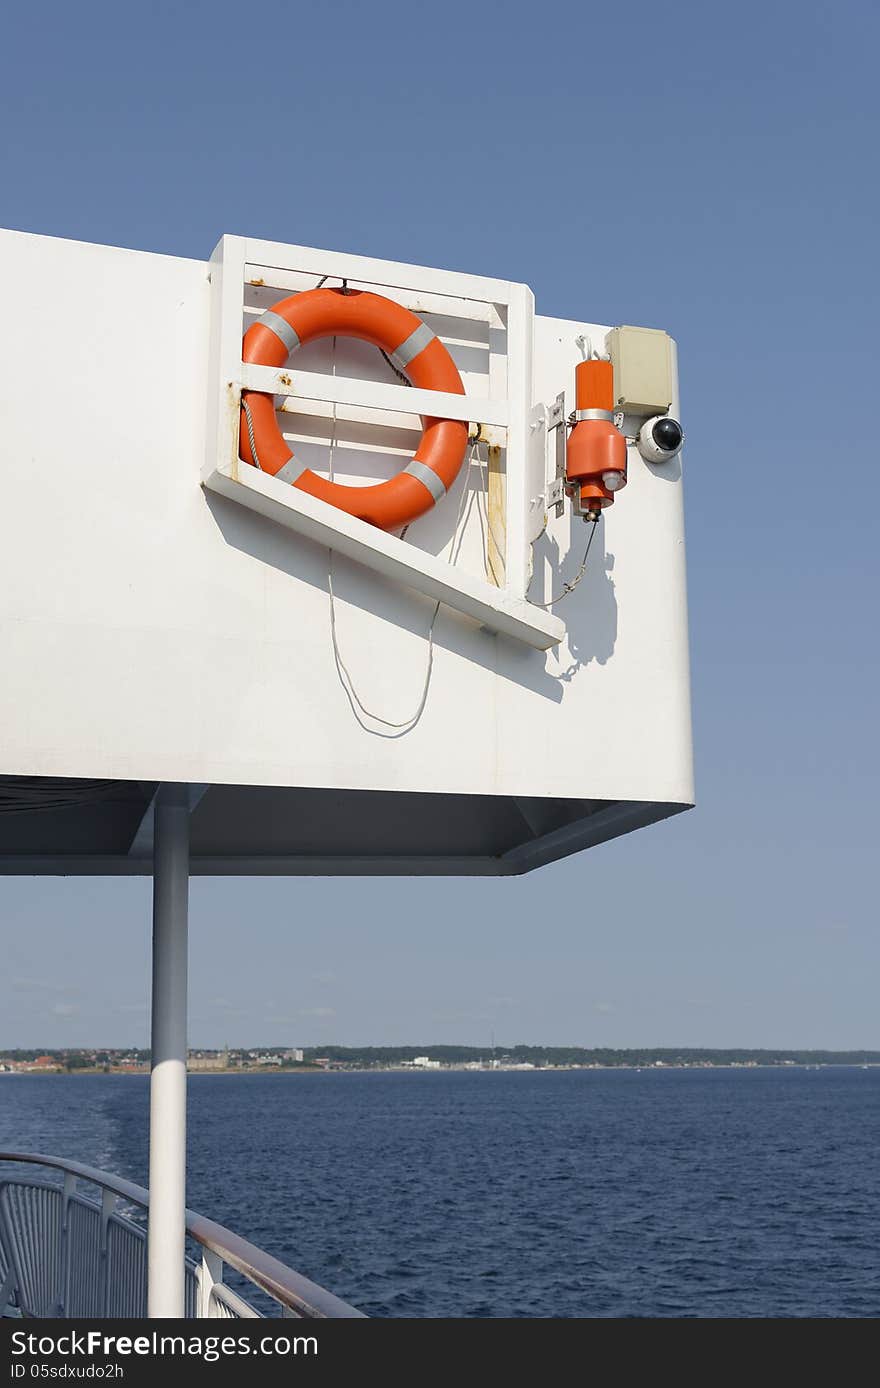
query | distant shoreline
[443, 1058]
[306, 1070]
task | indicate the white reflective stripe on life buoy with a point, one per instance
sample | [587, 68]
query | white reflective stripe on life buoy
[292, 469]
[281, 328]
[409, 349]
[428, 477]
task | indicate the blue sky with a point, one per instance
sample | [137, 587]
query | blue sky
[708, 170]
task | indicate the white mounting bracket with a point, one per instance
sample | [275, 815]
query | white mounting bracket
[555, 417]
[556, 493]
[556, 412]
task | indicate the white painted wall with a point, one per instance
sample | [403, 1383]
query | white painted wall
[151, 630]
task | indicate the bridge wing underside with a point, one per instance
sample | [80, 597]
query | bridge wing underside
[69, 827]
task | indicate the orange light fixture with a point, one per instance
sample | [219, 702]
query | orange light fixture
[595, 465]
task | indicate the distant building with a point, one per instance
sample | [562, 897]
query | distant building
[295, 1055]
[43, 1062]
[424, 1062]
[207, 1060]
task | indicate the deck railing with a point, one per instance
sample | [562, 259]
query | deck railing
[65, 1254]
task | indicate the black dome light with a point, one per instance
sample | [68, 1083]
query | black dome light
[667, 434]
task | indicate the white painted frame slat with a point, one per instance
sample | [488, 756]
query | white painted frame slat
[416, 300]
[494, 607]
[519, 394]
[376, 395]
[388, 273]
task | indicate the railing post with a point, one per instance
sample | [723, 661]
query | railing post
[210, 1273]
[8, 1289]
[108, 1205]
[166, 1230]
[64, 1241]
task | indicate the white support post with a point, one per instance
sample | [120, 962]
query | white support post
[166, 1222]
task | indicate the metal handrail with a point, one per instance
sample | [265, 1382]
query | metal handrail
[290, 1289]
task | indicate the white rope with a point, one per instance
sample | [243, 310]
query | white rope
[250, 428]
[358, 707]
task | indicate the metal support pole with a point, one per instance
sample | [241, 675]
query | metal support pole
[166, 1221]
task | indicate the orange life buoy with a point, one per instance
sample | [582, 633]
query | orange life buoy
[413, 348]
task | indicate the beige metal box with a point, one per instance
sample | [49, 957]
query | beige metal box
[642, 361]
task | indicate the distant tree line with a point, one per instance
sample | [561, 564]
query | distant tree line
[582, 1055]
[78, 1058]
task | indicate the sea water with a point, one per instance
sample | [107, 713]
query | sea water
[607, 1193]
